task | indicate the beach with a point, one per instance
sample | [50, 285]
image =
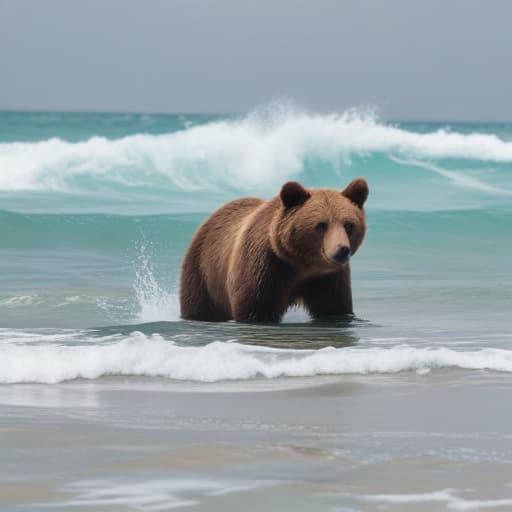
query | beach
[397, 442]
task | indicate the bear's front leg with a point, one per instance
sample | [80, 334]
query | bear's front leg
[261, 290]
[250, 307]
[329, 295]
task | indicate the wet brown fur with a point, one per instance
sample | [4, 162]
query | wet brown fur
[253, 259]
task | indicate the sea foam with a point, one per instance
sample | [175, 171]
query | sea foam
[153, 356]
[446, 497]
[251, 153]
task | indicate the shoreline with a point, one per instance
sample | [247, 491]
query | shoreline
[320, 443]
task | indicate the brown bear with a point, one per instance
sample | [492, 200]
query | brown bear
[253, 259]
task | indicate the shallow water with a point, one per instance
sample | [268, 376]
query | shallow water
[96, 211]
[401, 442]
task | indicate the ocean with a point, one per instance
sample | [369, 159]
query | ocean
[109, 401]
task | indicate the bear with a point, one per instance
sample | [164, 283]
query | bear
[253, 259]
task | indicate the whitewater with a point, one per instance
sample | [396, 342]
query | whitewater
[153, 356]
[224, 158]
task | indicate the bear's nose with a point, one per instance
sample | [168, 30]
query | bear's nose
[342, 254]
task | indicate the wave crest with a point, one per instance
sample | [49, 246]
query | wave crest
[258, 152]
[153, 356]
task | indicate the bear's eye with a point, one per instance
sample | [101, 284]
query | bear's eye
[349, 228]
[321, 227]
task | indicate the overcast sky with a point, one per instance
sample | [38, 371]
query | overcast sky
[411, 59]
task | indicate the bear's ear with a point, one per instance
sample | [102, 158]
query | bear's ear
[357, 191]
[293, 194]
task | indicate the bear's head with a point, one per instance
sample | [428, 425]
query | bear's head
[317, 230]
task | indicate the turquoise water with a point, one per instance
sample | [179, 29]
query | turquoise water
[96, 211]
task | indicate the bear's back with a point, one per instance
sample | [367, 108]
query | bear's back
[225, 224]
[218, 237]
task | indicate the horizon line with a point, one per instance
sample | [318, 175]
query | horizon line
[241, 113]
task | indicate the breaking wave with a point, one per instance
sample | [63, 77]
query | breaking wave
[28, 359]
[257, 152]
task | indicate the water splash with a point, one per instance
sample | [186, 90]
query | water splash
[154, 301]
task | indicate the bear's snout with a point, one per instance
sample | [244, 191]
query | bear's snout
[342, 254]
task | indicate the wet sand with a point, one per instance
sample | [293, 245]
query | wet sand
[441, 441]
